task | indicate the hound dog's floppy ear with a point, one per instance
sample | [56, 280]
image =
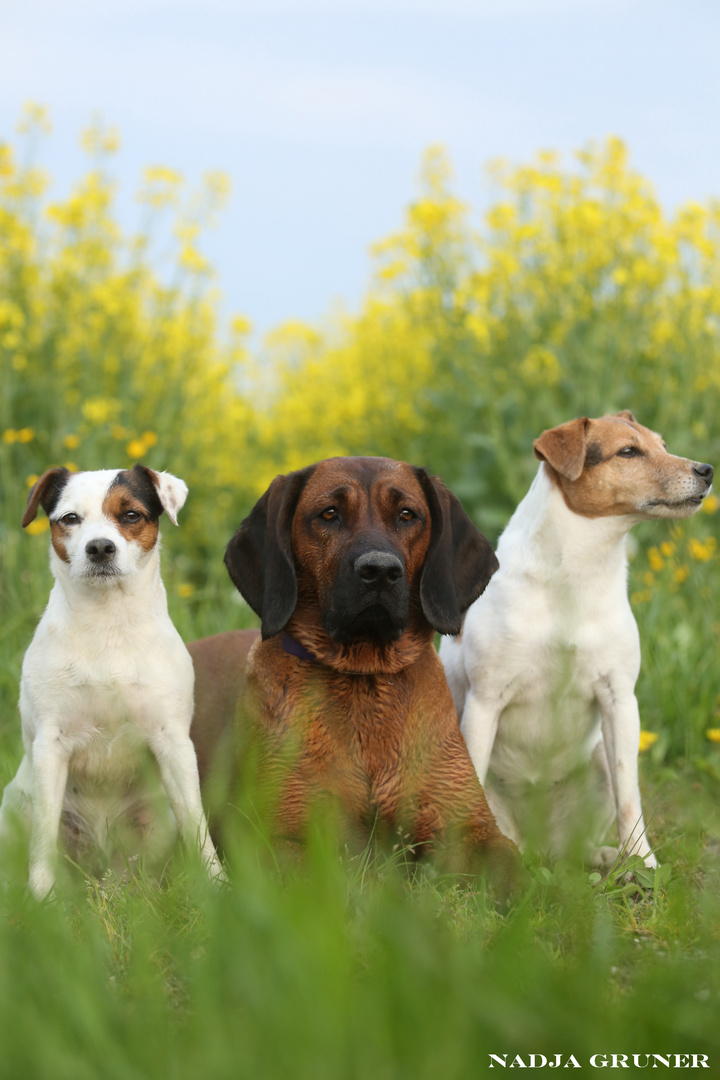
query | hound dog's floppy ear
[564, 447]
[45, 492]
[259, 557]
[459, 561]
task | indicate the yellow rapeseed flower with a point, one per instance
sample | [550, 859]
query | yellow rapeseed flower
[647, 739]
[71, 442]
[9, 436]
[185, 590]
[682, 573]
[540, 367]
[34, 116]
[135, 448]
[32, 479]
[702, 550]
[655, 559]
[7, 163]
[191, 259]
[38, 526]
[710, 504]
[98, 410]
[713, 734]
[667, 549]
[96, 139]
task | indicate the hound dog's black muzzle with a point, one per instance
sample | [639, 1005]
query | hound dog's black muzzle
[370, 598]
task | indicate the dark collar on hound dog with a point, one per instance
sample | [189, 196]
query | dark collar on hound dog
[290, 645]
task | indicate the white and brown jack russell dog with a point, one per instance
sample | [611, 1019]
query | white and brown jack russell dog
[105, 680]
[543, 675]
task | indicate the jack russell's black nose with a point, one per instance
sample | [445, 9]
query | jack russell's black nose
[705, 471]
[100, 550]
[379, 568]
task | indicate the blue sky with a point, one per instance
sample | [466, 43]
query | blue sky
[319, 111]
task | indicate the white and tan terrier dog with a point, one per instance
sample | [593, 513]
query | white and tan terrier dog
[543, 675]
[105, 680]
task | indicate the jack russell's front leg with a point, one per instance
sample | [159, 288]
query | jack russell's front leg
[50, 761]
[175, 755]
[479, 725]
[620, 720]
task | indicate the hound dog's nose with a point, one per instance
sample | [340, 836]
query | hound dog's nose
[705, 471]
[379, 568]
[100, 550]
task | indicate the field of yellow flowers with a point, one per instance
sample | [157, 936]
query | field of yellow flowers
[577, 294]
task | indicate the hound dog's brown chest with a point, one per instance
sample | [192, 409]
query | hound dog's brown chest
[352, 737]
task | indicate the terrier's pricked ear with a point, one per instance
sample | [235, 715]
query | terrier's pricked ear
[459, 561]
[171, 491]
[259, 557]
[45, 492]
[563, 447]
[625, 414]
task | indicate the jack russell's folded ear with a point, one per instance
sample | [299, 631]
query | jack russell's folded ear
[170, 490]
[45, 492]
[564, 447]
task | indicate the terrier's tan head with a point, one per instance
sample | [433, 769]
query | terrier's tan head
[614, 465]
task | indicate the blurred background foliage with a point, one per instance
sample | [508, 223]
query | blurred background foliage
[579, 295]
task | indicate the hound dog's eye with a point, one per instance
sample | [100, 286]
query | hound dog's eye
[630, 451]
[131, 517]
[70, 519]
[406, 514]
[330, 514]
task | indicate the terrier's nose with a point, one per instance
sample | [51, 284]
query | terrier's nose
[100, 550]
[705, 471]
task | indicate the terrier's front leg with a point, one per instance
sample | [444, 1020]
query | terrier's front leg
[176, 759]
[50, 761]
[621, 734]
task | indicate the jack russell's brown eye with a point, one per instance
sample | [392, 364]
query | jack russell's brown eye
[131, 517]
[70, 519]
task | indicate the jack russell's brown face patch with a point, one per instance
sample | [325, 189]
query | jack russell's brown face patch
[615, 466]
[132, 504]
[58, 535]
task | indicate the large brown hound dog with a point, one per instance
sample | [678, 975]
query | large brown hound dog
[352, 565]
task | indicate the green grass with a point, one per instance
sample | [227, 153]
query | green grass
[345, 968]
[356, 967]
